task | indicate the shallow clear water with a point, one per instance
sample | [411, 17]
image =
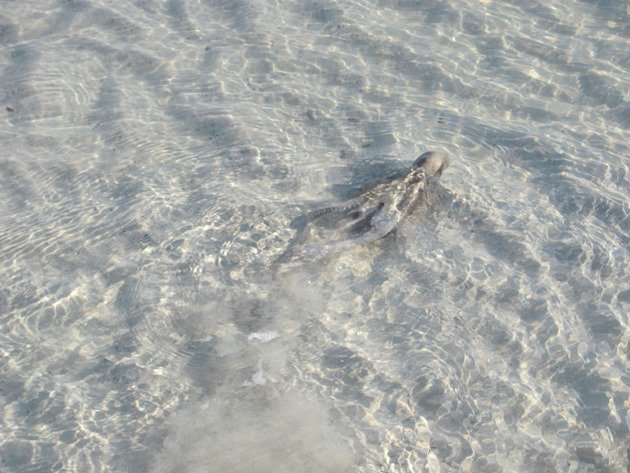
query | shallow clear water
[153, 156]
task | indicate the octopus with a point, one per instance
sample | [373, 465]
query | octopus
[374, 213]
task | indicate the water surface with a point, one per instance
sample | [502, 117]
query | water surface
[153, 156]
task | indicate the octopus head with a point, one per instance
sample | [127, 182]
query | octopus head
[432, 162]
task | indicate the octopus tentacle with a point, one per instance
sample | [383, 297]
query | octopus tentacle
[336, 209]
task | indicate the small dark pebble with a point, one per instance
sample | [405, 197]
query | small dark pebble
[10, 109]
[353, 120]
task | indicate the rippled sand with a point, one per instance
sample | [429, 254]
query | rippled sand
[153, 156]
